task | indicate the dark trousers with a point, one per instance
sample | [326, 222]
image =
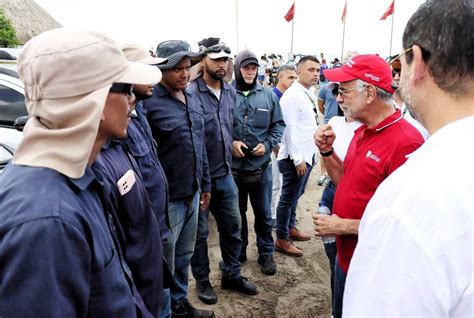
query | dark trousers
[260, 195]
[224, 207]
[339, 283]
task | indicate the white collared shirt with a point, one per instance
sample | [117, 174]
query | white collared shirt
[414, 257]
[297, 105]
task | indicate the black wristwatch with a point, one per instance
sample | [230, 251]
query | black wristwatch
[328, 153]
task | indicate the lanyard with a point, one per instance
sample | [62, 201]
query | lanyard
[315, 108]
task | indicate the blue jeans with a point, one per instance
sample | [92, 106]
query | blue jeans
[260, 198]
[327, 200]
[225, 208]
[178, 249]
[291, 190]
[339, 283]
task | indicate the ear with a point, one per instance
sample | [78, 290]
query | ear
[371, 93]
[419, 67]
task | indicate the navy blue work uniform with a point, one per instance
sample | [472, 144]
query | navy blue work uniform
[218, 116]
[178, 129]
[141, 145]
[135, 221]
[58, 258]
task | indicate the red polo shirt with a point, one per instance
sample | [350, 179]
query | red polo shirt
[373, 155]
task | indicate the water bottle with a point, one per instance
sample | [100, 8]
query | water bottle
[331, 238]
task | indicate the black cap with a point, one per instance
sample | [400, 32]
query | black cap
[174, 51]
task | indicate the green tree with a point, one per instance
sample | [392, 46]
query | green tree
[7, 32]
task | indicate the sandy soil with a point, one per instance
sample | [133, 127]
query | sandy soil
[301, 286]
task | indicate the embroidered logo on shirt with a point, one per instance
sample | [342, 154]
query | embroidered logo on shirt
[372, 156]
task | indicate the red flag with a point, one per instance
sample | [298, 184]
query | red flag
[389, 11]
[291, 13]
[343, 18]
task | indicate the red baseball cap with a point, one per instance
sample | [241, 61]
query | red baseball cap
[369, 68]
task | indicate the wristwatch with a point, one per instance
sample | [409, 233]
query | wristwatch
[328, 153]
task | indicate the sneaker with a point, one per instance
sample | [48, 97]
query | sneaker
[240, 284]
[186, 310]
[286, 247]
[206, 293]
[267, 264]
[322, 179]
[297, 235]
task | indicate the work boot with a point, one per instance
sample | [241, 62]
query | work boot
[287, 247]
[206, 293]
[240, 284]
[243, 257]
[186, 310]
[297, 235]
[267, 264]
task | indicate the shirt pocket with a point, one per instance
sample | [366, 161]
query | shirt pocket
[262, 118]
[170, 131]
[169, 125]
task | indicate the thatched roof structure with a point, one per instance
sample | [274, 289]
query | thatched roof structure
[28, 18]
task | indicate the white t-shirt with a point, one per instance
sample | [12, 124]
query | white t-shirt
[297, 108]
[344, 132]
[216, 92]
[414, 257]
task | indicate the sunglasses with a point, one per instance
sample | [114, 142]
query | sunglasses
[218, 48]
[398, 56]
[122, 88]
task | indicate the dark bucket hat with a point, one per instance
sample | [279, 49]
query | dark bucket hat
[174, 51]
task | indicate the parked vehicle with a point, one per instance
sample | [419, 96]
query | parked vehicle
[13, 114]
[9, 140]
[12, 97]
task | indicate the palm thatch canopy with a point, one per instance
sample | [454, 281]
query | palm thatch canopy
[28, 18]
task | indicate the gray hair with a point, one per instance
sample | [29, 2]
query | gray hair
[284, 68]
[383, 94]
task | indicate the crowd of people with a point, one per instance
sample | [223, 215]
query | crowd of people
[104, 209]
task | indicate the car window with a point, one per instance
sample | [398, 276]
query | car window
[10, 96]
[5, 156]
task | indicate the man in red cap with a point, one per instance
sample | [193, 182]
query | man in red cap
[378, 147]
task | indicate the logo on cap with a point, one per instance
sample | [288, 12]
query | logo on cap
[372, 77]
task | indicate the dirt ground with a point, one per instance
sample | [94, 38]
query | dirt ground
[301, 286]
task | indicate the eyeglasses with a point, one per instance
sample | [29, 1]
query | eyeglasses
[398, 56]
[122, 88]
[218, 48]
[343, 91]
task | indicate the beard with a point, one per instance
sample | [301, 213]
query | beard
[217, 75]
[141, 96]
[407, 100]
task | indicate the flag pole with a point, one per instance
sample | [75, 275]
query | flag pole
[292, 32]
[293, 26]
[343, 32]
[237, 25]
[391, 32]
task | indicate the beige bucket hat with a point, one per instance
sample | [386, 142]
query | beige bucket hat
[67, 75]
